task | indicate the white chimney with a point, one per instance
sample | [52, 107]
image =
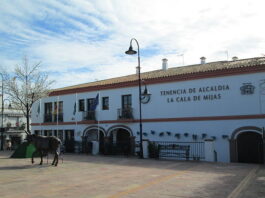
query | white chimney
[203, 60]
[235, 58]
[164, 64]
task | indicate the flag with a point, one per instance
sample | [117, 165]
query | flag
[74, 109]
[95, 103]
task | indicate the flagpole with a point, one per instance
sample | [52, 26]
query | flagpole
[57, 113]
[98, 113]
[75, 111]
[40, 116]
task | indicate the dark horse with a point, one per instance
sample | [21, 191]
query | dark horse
[45, 145]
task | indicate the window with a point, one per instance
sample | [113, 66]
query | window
[48, 108]
[126, 101]
[105, 103]
[81, 105]
[58, 112]
[37, 132]
[126, 112]
[69, 135]
[48, 112]
[90, 103]
[60, 107]
[47, 132]
[55, 133]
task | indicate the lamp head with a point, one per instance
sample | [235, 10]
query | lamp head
[145, 93]
[130, 51]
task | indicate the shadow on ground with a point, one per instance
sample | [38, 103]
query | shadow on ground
[24, 167]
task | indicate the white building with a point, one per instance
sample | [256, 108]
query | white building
[223, 101]
[14, 123]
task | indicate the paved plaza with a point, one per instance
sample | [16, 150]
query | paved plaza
[114, 177]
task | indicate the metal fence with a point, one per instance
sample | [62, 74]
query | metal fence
[177, 150]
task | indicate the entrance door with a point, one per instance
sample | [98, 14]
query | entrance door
[250, 147]
[101, 142]
[93, 135]
[123, 141]
[69, 141]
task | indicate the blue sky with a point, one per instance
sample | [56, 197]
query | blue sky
[80, 41]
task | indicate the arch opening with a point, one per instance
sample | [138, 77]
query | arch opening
[93, 134]
[120, 141]
[250, 147]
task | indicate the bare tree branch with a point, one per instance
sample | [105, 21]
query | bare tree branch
[27, 85]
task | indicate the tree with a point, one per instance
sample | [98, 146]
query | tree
[25, 86]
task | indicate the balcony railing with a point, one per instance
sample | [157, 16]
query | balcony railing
[125, 113]
[60, 117]
[48, 117]
[53, 117]
[89, 115]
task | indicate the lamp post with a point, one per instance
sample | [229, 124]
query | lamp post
[130, 51]
[2, 113]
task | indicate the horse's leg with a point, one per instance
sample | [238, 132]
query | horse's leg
[53, 162]
[57, 158]
[32, 156]
[41, 157]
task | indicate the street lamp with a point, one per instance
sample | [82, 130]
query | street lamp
[130, 51]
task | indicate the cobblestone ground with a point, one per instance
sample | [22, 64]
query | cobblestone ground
[114, 177]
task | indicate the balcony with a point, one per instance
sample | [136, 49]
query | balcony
[89, 115]
[60, 117]
[125, 113]
[48, 117]
[53, 117]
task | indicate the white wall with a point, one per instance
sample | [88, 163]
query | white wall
[231, 101]
[228, 103]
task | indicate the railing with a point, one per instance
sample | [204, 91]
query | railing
[177, 150]
[89, 115]
[53, 117]
[48, 117]
[125, 113]
[15, 128]
[60, 117]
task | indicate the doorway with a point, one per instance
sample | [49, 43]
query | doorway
[93, 134]
[250, 147]
[120, 139]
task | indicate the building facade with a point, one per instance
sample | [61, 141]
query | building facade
[223, 101]
[14, 123]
